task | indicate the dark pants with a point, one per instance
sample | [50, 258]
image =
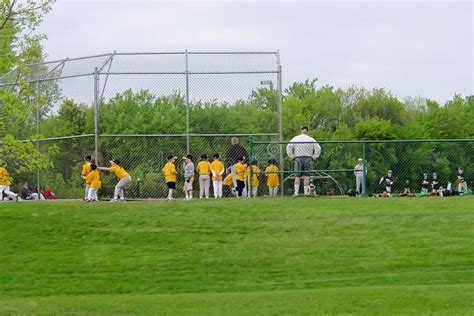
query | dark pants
[240, 187]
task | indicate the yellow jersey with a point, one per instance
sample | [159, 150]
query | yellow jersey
[227, 180]
[255, 171]
[118, 171]
[4, 178]
[273, 179]
[218, 167]
[203, 167]
[86, 169]
[93, 179]
[169, 172]
[240, 171]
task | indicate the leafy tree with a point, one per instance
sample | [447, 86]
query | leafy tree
[375, 128]
[265, 99]
[300, 90]
[18, 47]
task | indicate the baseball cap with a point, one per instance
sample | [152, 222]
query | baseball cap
[188, 156]
[115, 161]
[302, 127]
[360, 159]
[171, 157]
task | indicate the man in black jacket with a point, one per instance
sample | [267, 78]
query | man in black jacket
[234, 151]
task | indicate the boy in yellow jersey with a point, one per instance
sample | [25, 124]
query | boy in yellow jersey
[273, 177]
[217, 170]
[240, 173]
[169, 172]
[228, 184]
[5, 182]
[122, 175]
[204, 170]
[255, 172]
[86, 168]
[93, 180]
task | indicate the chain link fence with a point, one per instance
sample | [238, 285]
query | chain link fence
[408, 160]
[143, 156]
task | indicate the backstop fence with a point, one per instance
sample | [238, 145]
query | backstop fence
[145, 155]
[199, 77]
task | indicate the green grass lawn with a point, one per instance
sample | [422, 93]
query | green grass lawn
[264, 256]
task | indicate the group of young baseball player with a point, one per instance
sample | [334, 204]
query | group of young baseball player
[208, 172]
[215, 172]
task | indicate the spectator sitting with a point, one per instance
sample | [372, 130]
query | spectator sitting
[388, 181]
[435, 185]
[407, 190]
[27, 193]
[48, 195]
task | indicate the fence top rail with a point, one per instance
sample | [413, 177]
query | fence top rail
[184, 135]
[66, 59]
[145, 135]
[372, 141]
[242, 72]
[54, 138]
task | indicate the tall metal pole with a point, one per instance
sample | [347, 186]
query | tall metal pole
[96, 114]
[38, 175]
[280, 119]
[187, 102]
[364, 169]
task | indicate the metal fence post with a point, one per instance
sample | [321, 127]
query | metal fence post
[96, 114]
[38, 175]
[280, 119]
[364, 169]
[249, 191]
[187, 101]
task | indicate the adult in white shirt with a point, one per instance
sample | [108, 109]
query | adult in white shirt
[303, 149]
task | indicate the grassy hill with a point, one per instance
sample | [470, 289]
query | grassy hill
[264, 256]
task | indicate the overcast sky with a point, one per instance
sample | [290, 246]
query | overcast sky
[411, 48]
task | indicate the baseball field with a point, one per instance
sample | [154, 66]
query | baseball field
[323, 255]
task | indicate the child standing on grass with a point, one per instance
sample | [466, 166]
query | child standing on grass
[255, 172]
[217, 170]
[204, 170]
[188, 167]
[122, 175]
[93, 180]
[240, 173]
[273, 177]
[5, 182]
[86, 168]
[169, 172]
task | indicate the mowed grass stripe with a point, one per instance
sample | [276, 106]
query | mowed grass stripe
[376, 300]
[235, 246]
